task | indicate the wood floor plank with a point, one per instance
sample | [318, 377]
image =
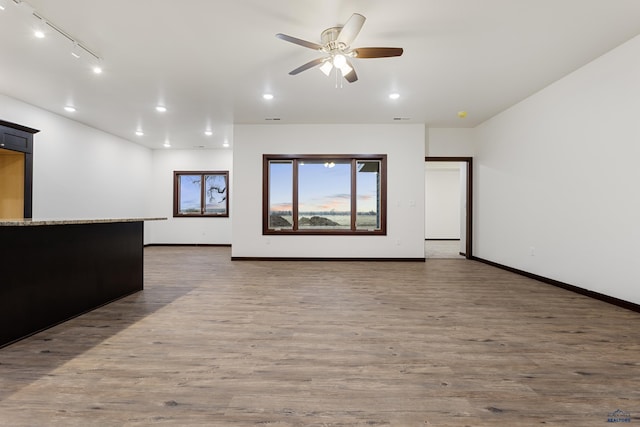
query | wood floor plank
[215, 342]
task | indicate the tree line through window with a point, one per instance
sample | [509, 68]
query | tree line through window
[324, 194]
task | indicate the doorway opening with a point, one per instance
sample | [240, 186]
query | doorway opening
[448, 210]
[12, 165]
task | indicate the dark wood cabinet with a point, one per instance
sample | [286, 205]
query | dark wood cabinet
[17, 140]
[51, 273]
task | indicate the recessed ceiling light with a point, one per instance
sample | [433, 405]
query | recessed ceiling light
[267, 96]
[39, 34]
[139, 133]
[2, 5]
[208, 132]
[225, 143]
[97, 69]
[167, 144]
[70, 108]
[161, 108]
[394, 95]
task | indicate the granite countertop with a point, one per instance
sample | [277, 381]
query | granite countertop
[38, 221]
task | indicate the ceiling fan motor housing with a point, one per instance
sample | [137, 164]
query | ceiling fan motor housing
[329, 39]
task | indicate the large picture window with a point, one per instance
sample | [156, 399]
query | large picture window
[324, 194]
[201, 194]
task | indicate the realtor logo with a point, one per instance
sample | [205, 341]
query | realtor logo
[619, 416]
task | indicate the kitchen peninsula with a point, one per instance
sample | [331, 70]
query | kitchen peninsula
[53, 270]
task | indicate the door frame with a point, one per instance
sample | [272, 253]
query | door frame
[15, 137]
[469, 197]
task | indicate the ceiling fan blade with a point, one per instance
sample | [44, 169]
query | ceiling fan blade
[300, 42]
[351, 29]
[308, 65]
[377, 52]
[351, 76]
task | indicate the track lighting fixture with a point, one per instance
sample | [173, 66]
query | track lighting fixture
[38, 32]
[75, 52]
[45, 27]
[24, 6]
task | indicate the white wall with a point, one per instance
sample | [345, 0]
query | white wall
[450, 142]
[80, 172]
[556, 176]
[404, 145]
[443, 196]
[187, 230]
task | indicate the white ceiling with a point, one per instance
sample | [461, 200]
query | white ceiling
[210, 61]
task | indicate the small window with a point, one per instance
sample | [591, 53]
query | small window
[324, 194]
[201, 194]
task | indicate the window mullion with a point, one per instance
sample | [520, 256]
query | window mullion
[294, 210]
[354, 205]
[202, 203]
[176, 194]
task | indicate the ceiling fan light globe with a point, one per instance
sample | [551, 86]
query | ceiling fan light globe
[346, 69]
[326, 68]
[339, 61]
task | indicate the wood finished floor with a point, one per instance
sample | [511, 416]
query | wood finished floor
[220, 343]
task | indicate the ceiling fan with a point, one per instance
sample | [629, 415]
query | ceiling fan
[336, 43]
